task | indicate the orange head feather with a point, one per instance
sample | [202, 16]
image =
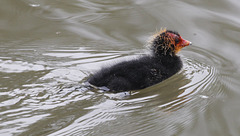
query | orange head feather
[167, 42]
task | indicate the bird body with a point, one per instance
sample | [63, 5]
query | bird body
[146, 70]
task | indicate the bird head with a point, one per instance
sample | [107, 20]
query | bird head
[167, 42]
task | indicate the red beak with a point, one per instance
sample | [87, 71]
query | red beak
[185, 43]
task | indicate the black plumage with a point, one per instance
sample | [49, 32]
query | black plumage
[146, 70]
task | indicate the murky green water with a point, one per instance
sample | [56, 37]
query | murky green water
[49, 48]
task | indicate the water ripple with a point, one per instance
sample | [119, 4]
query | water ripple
[159, 105]
[192, 90]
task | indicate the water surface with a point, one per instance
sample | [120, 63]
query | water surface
[49, 48]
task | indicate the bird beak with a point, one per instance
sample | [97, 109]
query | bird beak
[182, 44]
[185, 43]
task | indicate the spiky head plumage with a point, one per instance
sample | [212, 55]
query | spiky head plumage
[167, 42]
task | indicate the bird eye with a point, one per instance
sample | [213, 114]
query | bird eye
[176, 40]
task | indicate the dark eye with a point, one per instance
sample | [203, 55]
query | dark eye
[177, 41]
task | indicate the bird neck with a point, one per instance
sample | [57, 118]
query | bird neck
[169, 61]
[163, 54]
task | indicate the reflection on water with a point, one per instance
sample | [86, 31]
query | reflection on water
[49, 48]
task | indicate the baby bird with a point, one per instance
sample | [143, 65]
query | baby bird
[146, 70]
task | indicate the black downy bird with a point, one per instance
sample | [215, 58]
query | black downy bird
[146, 70]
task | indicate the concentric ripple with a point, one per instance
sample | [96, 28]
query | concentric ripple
[167, 107]
[49, 48]
[159, 108]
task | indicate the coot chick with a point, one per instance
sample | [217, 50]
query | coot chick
[146, 70]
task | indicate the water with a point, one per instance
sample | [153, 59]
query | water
[49, 48]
